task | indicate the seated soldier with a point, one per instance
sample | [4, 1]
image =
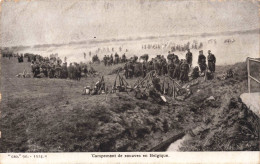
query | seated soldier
[195, 73]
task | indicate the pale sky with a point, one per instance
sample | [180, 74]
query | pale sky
[61, 21]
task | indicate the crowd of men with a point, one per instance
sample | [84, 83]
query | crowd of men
[112, 60]
[174, 47]
[54, 68]
[175, 68]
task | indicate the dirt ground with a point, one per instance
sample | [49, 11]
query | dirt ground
[52, 115]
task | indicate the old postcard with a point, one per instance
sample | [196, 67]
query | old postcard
[137, 81]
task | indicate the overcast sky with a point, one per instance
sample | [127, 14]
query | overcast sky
[62, 21]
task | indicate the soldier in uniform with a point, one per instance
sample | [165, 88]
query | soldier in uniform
[111, 59]
[170, 68]
[164, 66]
[78, 72]
[176, 73]
[116, 58]
[57, 70]
[144, 69]
[211, 61]
[195, 73]
[189, 58]
[202, 62]
[64, 71]
[155, 91]
[105, 60]
[184, 71]
[123, 58]
[126, 70]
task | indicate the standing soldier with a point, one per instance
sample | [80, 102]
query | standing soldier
[144, 69]
[164, 66]
[126, 70]
[211, 61]
[105, 60]
[84, 56]
[202, 62]
[116, 61]
[123, 58]
[170, 68]
[184, 71]
[111, 59]
[131, 69]
[189, 58]
[176, 73]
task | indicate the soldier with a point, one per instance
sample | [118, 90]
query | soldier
[64, 71]
[164, 66]
[116, 58]
[184, 71]
[144, 69]
[130, 69]
[105, 60]
[202, 62]
[58, 70]
[189, 58]
[170, 68]
[195, 73]
[70, 71]
[85, 70]
[78, 72]
[123, 58]
[111, 59]
[157, 66]
[211, 61]
[36, 69]
[126, 70]
[155, 91]
[176, 73]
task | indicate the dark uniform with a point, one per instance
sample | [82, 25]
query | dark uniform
[126, 70]
[184, 71]
[202, 62]
[189, 58]
[176, 73]
[195, 73]
[123, 58]
[105, 60]
[211, 62]
[144, 69]
[170, 69]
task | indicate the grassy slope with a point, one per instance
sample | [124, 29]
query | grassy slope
[41, 115]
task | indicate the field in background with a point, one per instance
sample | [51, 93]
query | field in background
[245, 45]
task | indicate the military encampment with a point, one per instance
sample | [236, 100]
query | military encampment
[127, 88]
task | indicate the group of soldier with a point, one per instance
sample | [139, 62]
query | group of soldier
[187, 46]
[112, 60]
[107, 49]
[175, 47]
[175, 68]
[53, 67]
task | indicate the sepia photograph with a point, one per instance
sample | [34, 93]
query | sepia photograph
[129, 76]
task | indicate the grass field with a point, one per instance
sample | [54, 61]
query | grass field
[52, 115]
